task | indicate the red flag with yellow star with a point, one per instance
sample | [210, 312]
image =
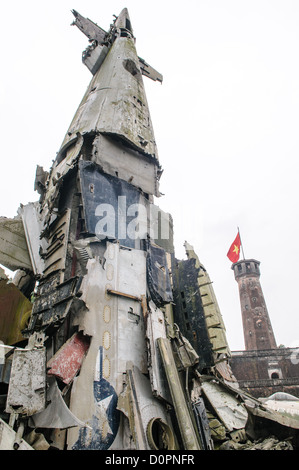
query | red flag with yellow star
[234, 251]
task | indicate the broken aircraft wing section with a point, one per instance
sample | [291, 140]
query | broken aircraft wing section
[115, 102]
[89, 28]
[100, 40]
[14, 252]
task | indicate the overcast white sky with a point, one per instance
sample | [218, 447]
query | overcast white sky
[225, 118]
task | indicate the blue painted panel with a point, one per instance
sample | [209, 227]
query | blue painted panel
[105, 405]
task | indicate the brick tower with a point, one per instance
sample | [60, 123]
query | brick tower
[258, 333]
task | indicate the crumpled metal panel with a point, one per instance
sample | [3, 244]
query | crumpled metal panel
[117, 210]
[284, 417]
[56, 414]
[14, 252]
[115, 158]
[27, 386]
[229, 409]
[102, 192]
[66, 160]
[138, 404]
[158, 278]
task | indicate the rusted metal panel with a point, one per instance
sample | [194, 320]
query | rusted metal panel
[123, 294]
[27, 386]
[128, 368]
[15, 311]
[213, 317]
[188, 310]
[66, 363]
[57, 237]
[14, 252]
[53, 303]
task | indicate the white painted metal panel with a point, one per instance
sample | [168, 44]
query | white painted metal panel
[27, 386]
[115, 324]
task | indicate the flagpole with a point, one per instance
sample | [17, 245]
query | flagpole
[241, 243]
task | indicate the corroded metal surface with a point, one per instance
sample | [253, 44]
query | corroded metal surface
[27, 386]
[125, 346]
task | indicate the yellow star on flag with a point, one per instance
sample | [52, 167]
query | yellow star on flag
[236, 249]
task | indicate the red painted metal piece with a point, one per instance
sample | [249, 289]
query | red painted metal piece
[66, 363]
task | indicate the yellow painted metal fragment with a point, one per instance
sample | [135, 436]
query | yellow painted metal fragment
[15, 311]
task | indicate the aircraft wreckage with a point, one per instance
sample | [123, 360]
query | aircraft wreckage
[107, 340]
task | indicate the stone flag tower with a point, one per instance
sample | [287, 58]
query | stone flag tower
[258, 332]
[262, 369]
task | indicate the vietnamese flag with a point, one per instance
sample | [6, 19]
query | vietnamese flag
[234, 251]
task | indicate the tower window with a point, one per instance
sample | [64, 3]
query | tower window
[274, 375]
